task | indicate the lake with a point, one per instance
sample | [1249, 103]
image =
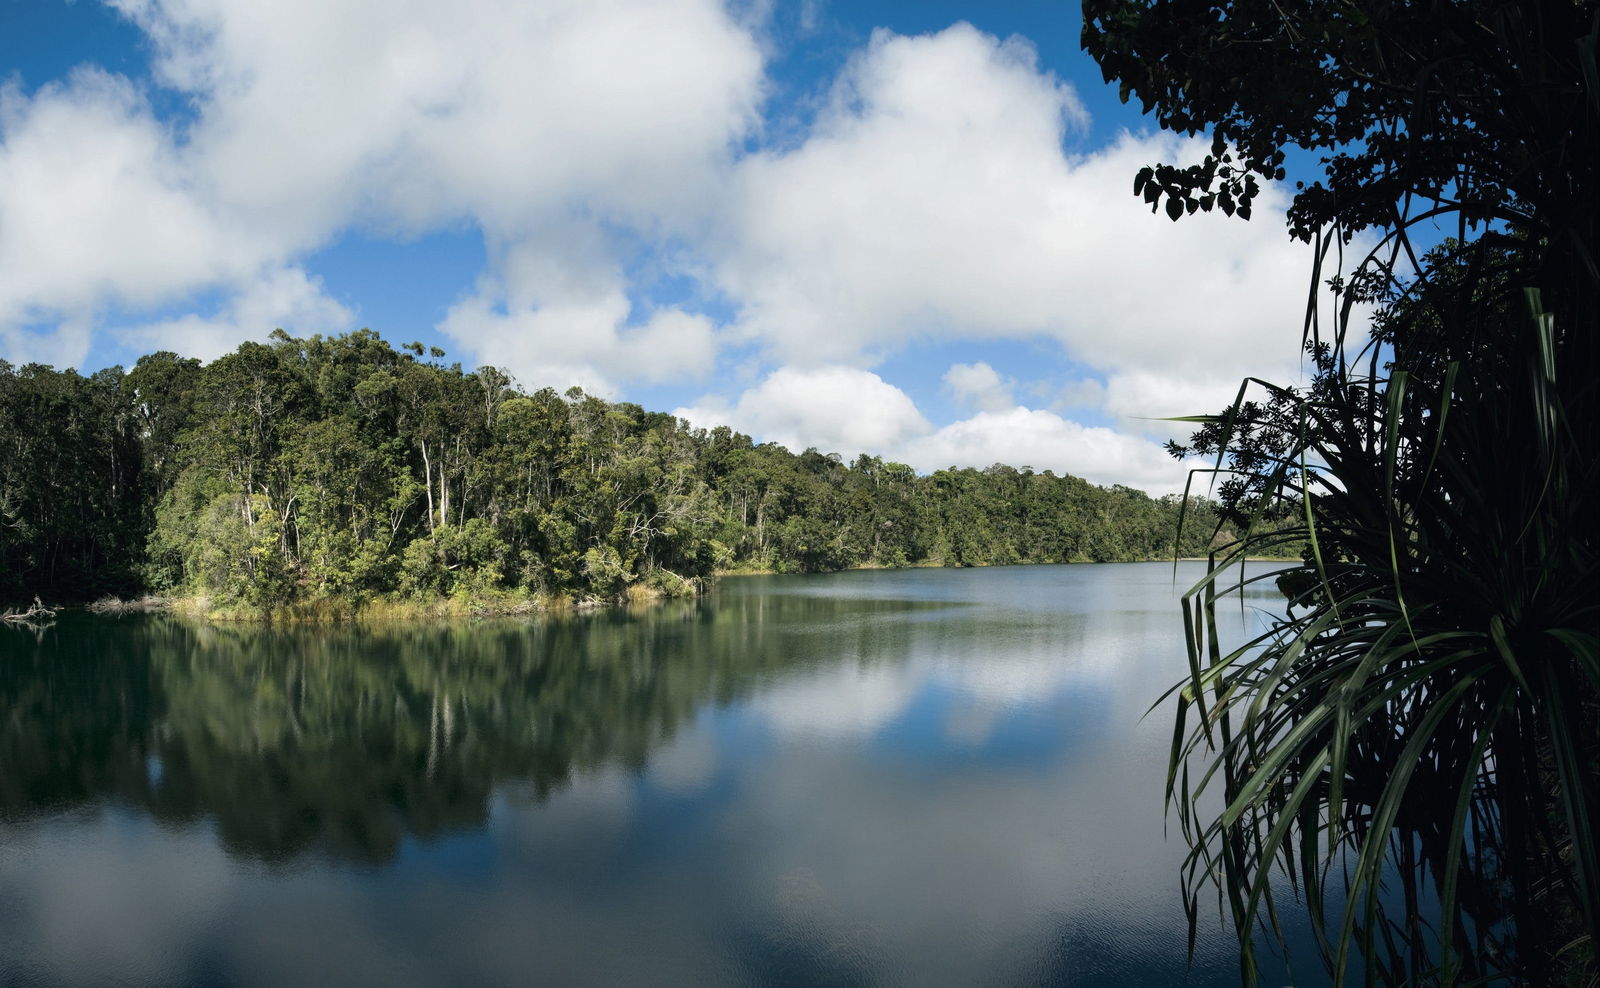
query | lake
[916, 777]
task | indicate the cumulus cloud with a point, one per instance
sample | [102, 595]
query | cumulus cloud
[850, 411]
[1082, 392]
[933, 198]
[979, 385]
[548, 125]
[1046, 441]
[563, 130]
[286, 298]
[66, 344]
[1141, 400]
[489, 109]
[96, 206]
[586, 343]
[836, 409]
[938, 194]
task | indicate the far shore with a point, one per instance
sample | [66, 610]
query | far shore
[327, 610]
[931, 565]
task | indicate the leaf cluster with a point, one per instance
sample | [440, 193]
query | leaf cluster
[1413, 749]
[1451, 103]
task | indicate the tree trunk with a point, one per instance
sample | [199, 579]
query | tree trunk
[427, 481]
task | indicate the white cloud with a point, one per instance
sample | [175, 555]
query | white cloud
[494, 109]
[1046, 441]
[65, 345]
[586, 343]
[1083, 392]
[564, 130]
[606, 125]
[979, 386]
[96, 206]
[1141, 400]
[933, 198]
[285, 299]
[849, 411]
[836, 409]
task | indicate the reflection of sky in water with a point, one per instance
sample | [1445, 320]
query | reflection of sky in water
[937, 795]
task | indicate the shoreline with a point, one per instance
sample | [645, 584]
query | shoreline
[718, 574]
[377, 610]
[510, 604]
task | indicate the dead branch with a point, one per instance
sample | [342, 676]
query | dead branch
[36, 612]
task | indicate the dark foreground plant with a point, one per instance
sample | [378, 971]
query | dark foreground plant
[1415, 746]
[1417, 739]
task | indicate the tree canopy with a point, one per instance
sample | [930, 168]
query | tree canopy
[1484, 108]
[1416, 745]
[342, 470]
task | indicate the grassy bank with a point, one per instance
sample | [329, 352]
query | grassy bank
[328, 610]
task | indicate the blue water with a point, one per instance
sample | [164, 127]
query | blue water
[924, 777]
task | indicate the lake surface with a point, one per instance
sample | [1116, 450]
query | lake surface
[923, 777]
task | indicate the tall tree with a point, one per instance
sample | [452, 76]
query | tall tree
[331, 471]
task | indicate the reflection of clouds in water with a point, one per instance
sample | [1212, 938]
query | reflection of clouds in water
[965, 879]
[989, 668]
[974, 877]
[595, 811]
[1023, 666]
[686, 764]
[122, 901]
[808, 922]
[1119, 646]
[730, 862]
[972, 723]
[833, 867]
[560, 934]
[323, 932]
[842, 702]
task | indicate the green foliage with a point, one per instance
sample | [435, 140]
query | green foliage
[1416, 746]
[70, 476]
[1464, 104]
[1425, 718]
[340, 471]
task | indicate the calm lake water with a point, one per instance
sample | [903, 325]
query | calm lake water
[925, 777]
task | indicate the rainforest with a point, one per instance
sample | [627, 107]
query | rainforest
[332, 473]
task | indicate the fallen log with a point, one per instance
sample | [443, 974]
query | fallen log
[36, 612]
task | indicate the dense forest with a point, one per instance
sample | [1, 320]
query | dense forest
[343, 470]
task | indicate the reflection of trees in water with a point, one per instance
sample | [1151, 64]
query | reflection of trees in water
[343, 740]
[73, 731]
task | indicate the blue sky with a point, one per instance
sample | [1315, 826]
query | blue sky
[898, 228]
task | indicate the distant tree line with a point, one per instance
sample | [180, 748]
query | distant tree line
[343, 469]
